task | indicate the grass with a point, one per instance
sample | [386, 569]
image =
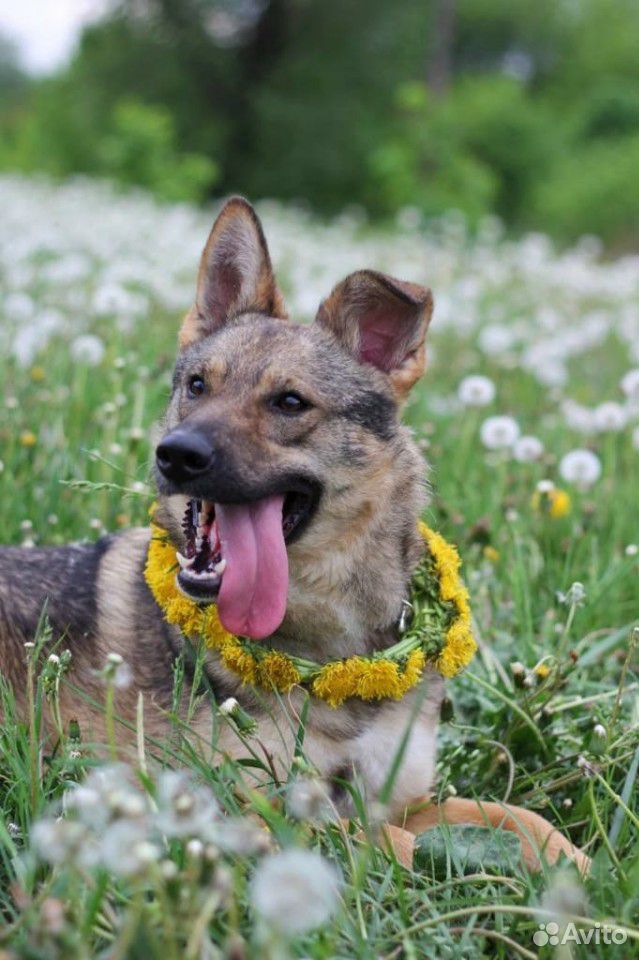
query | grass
[565, 744]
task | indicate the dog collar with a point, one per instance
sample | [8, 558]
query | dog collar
[435, 630]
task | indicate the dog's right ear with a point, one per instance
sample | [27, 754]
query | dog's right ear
[235, 274]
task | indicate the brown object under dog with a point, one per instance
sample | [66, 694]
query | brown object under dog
[539, 839]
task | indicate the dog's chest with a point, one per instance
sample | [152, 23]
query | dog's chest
[364, 747]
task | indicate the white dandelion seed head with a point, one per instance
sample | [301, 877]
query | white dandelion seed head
[87, 349]
[577, 417]
[58, 841]
[545, 486]
[476, 391]
[580, 467]
[185, 809]
[125, 849]
[630, 384]
[195, 849]
[527, 449]
[295, 891]
[308, 799]
[575, 596]
[107, 793]
[499, 433]
[496, 339]
[610, 417]
[239, 837]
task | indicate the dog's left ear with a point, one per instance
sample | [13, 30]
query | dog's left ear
[381, 321]
[235, 274]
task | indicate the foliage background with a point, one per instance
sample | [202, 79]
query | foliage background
[528, 109]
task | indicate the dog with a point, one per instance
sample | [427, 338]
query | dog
[286, 441]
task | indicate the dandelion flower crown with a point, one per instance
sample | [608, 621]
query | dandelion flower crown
[438, 632]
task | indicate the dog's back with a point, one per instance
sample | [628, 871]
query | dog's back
[91, 599]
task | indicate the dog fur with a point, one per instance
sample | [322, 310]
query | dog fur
[350, 569]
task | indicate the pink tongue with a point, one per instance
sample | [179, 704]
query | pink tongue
[252, 599]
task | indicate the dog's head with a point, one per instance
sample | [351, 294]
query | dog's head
[274, 429]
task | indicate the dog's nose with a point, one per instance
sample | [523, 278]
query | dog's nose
[184, 455]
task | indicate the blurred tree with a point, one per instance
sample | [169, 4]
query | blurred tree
[441, 58]
[475, 104]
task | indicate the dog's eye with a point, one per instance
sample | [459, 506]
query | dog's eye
[290, 402]
[196, 386]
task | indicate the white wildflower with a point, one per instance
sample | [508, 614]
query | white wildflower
[632, 550]
[58, 841]
[578, 417]
[295, 891]
[580, 467]
[545, 486]
[195, 849]
[108, 793]
[308, 799]
[476, 391]
[499, 433]
[125, 849]
[87, 349]
[527, 449]
[610, 417]
[185, 809]
[496, 339]
[630, 384]
[575, 596]
[240, 837]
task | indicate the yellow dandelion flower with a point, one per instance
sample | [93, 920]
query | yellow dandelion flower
[554, 503]
[337, 681]
[235, 658]
[275, 669]
[378, 680]
[413, 670]
[491, 554]
[542, 670]
[458, 650]
[37, 374]
[28, 438]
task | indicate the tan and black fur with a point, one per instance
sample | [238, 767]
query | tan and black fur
[349, 569]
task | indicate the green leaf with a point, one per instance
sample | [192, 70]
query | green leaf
[465, 849]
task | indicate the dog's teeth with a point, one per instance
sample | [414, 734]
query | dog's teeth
[220, 567]
[182, 560]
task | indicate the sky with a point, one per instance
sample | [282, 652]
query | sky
[45, 31]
